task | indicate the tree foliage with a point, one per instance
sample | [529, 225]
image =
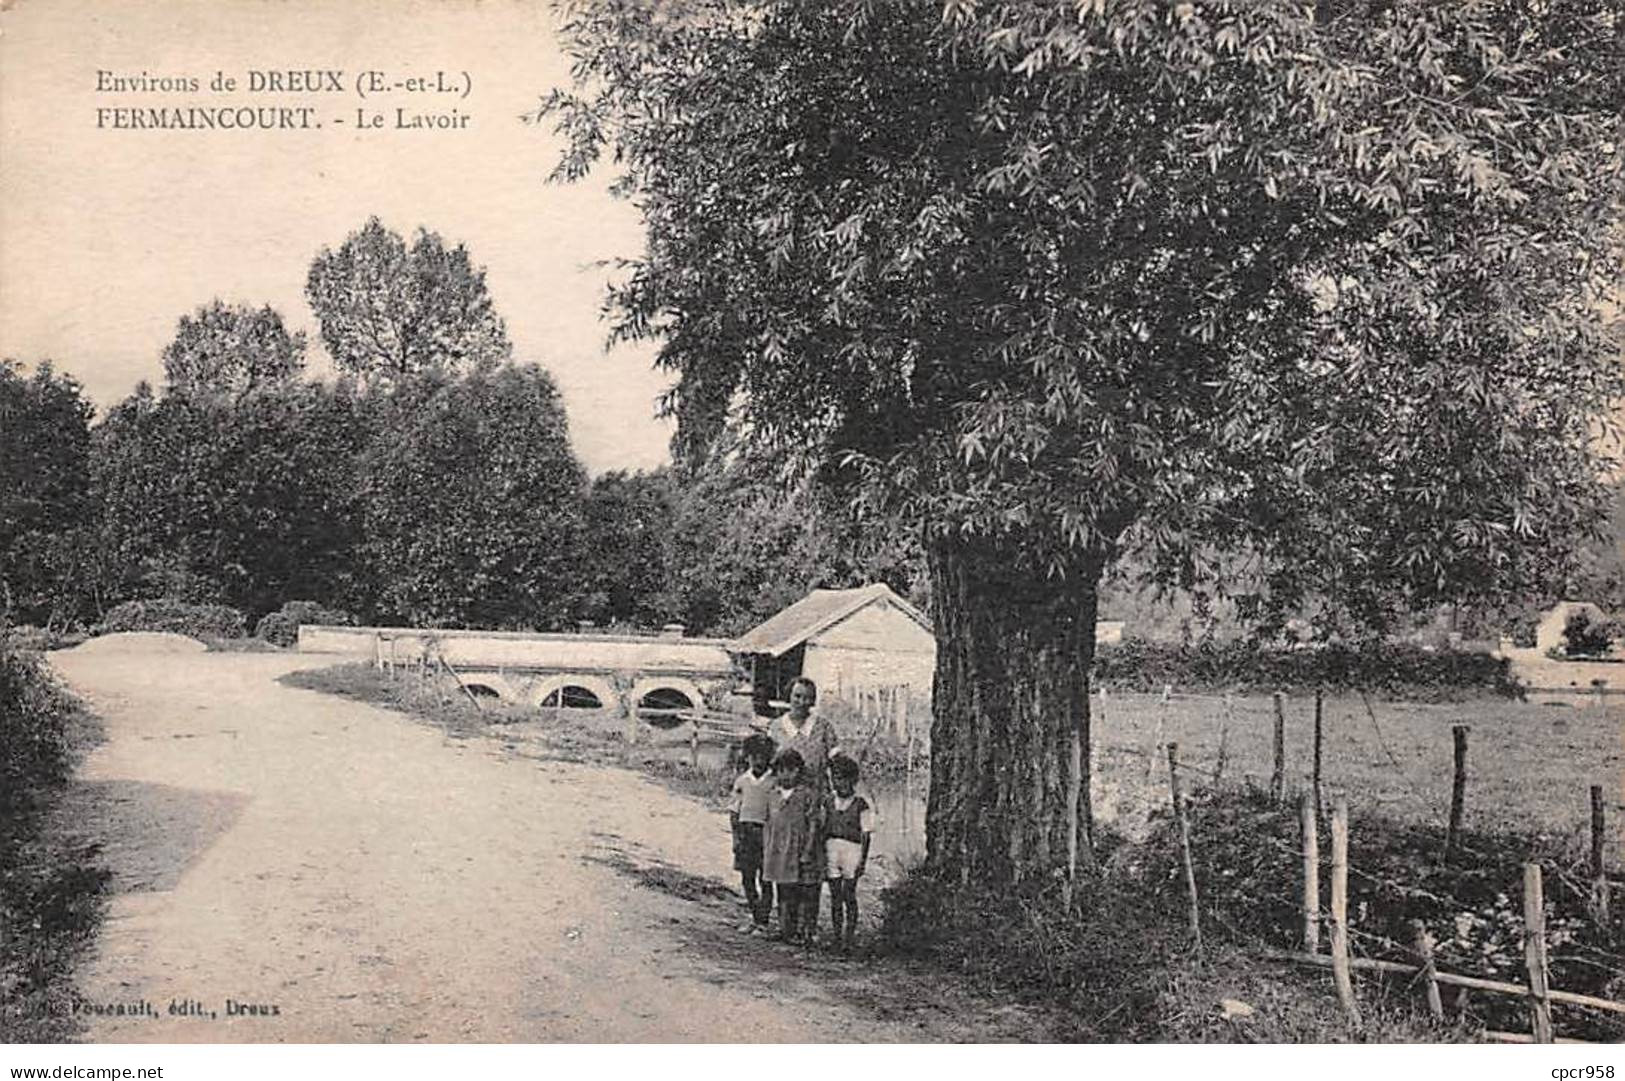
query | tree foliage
[244, 502]
[628, 521]
[1051, 281]
[44, 487]
[743, 547]
[720, 546]
[231, 351]
[388, 309]
[472, 502]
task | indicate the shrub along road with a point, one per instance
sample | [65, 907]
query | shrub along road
[354, 876]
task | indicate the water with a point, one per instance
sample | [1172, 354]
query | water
[898, 842]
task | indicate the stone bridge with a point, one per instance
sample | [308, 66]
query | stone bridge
[646, 675]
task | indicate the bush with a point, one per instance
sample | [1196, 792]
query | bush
[50, 887]
[1399, 671]
[40, 639]
[33, 739]
[281, 627]
[201, 621]
[1587, 636]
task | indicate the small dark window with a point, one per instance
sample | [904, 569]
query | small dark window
[661, 706]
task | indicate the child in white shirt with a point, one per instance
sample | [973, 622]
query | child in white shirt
[747, 815]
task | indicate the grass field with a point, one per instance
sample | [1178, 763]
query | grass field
[1529, 765]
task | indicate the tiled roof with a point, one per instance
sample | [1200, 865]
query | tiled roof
[817, 612]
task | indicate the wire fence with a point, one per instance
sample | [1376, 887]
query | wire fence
[1410, 761]
[1531, 768]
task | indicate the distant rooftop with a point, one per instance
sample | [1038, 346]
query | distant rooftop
[817, 612]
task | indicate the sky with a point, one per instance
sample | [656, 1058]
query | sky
[108, 236]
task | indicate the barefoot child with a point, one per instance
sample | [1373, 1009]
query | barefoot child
[747, 814]
[848, 823]
[792, 855]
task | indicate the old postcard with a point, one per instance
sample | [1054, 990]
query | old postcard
[756, 522]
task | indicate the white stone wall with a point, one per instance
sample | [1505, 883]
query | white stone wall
[838, 672]
[879, 647]
[501, 649]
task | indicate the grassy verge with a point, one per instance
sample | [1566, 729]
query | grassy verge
[50, 889]
[573, 736]
[1124, 964]
[240, 645]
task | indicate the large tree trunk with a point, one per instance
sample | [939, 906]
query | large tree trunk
[1010, 725]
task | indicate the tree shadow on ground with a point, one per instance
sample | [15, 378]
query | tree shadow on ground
[149, 835]
[900, 992]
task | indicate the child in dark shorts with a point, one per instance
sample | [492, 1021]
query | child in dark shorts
[747, 814]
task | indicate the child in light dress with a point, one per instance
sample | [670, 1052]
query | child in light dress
[793, 849]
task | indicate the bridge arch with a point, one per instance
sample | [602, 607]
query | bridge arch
[488, 685]
[653, 696]
[575, 687]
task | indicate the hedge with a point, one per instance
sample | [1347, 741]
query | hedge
[34, 748]
[282, 626]
[50, 886]
[1401, 671]
[177, 617]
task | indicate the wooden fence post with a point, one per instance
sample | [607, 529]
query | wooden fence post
[1158, 732]
[1185, 843]
[1424, 957]
[1311, 875]
[1320, 700]
[1224, 741]
[458, 679]
[908, 769]
[1458, 792]
[1278, 777]
[1341, 972]
[1534, 951]
[1599, 868]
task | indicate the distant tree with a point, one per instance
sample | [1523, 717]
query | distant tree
[247, 503]
[1587, 636]
[472, 502]
[287, 517]
[389, 310]
[628, 522]
[232, 350]
[1050, 280]
[44, 488]
[742, 547]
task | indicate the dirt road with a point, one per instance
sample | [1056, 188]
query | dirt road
[355, 876]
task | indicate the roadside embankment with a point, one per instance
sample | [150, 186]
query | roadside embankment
[50, 884]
